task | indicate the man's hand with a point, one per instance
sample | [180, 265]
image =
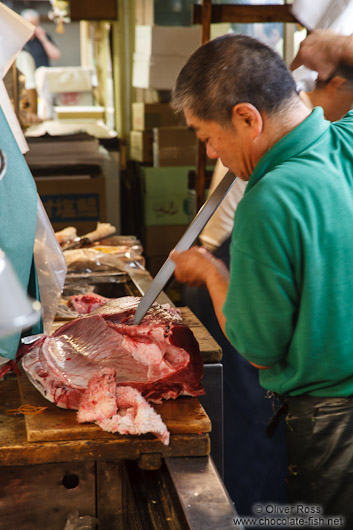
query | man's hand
[39, 32]
[51, 50]
[193, 266]
[197, 266]
[323, 50]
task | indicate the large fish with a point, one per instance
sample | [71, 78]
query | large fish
[160, 357]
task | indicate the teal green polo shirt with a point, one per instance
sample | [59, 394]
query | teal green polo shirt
[290, 299]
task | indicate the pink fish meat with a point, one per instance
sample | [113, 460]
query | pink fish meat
[160, 357]
[118, 408]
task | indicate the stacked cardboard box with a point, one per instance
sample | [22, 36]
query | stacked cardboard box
[164, 195]
[158, 242]
[161, 137]
[166, 150]
[141, 149]
[160, 53]
[164, 198]
[174, 146]
[69, 174]
[146, 117]
[160, 140]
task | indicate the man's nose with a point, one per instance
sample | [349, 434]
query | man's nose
[211, 153]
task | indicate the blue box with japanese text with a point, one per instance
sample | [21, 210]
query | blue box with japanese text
[78, 201]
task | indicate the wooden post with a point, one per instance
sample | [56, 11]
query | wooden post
[201, 150]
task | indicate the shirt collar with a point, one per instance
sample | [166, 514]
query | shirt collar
[305, 134]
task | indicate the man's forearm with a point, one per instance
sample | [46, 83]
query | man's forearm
[217, 285]
[347, 50]
[50, 49]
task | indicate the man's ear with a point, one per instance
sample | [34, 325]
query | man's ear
[334, 84]
[246, 116]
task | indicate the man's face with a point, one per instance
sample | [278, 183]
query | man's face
[35, 21]
[222, 142]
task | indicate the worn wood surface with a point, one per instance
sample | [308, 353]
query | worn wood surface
[184, 415]
[245, 13]
[16, 450]
[210, 349]
[95, 444]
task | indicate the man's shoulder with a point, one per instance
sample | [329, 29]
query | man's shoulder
[287, 184]
[345, 121]
[348, 116]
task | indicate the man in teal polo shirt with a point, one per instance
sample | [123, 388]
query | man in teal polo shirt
[286, 303]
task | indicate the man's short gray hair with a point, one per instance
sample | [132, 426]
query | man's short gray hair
[29, 14]
[232, 69]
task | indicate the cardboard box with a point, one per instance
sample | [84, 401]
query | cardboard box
[79, 201]
[164, 195]
[160, 240]
[158, 71]
[192, 200]
[149, 115]
[167, 40]
[174, 146]
[154, 263]
[160, 53]
[141, 146]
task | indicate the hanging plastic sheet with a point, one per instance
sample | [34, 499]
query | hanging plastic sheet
[50, 266]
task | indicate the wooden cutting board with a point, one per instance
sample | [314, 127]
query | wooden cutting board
[184, 415]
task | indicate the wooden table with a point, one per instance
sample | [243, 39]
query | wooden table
[44, 455]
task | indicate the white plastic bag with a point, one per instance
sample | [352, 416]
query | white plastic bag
[50, 266]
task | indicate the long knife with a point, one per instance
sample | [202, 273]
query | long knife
[192, 232]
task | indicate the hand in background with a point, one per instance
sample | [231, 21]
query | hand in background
[323, 50]
[39, 32]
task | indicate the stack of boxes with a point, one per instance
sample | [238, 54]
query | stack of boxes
[160, 141]
[68, 171]
[160, 53]
[164, 189]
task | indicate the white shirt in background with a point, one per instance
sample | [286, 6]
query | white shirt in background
[220, 226]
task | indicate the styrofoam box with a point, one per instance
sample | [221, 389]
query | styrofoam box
[79, 112]
[167, 40]
[56, 79]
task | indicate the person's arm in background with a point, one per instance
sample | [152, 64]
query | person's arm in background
[323, 50]
[220, 226]
[51, 50]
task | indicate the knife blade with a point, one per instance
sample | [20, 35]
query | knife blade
[192, 232]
